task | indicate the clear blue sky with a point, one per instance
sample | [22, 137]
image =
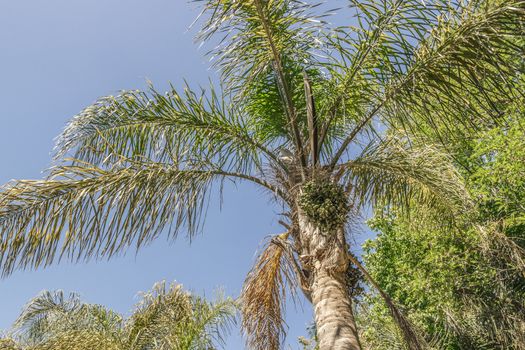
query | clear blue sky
[58, 56]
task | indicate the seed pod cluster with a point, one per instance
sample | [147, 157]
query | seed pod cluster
[325, 204]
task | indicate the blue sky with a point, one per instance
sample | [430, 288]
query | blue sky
[58, 56]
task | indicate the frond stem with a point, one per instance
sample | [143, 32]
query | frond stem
[357, 67]
[278, 67]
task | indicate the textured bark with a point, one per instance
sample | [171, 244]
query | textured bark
[325, 258]
[336, 328]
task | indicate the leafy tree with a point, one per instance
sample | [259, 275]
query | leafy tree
[464, 288]
[167, 318]
[314, 114]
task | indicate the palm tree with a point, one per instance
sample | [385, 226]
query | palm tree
[318, 116]
[167, 318]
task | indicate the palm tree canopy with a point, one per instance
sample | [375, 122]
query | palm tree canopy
[131, 165]
[299, 99]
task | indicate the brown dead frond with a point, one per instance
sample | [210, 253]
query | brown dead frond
[263, 299]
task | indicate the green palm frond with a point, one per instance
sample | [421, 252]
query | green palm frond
[171, 318]
[47, 314]
[460, 72]
[385, 30]
[265, 49]
[171, 128]
[167, 318]
[52, 319]
[395, 173]
[260, 37]
[211, 322]
[159, 316]
[263, 298]
[464, 68]
[81, 212]
[80, 340]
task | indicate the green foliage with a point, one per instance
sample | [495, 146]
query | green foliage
[498, 181]
[464, 286]
[309, 342]
[325, 204]
[422, 269]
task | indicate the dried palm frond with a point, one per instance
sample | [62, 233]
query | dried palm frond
[263, 298]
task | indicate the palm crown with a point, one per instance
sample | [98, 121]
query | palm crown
[321, 117]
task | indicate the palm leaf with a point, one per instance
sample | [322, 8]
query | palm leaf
[265, 48]
[474, 50]
[86, 211]
[210, 322]
[159, 317]
[263, 298]
[45, 315]
[52, 319]
[172, 128]
[9, 344]
[395, 173]
[171, 318]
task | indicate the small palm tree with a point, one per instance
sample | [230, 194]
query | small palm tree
[320, 117]
[165, 319]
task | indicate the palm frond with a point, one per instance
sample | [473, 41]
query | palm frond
[45, 315]
[172, 128]
[265, 48]
[159, 317]
[167, 317]
[80, 340]
[462, 72]
[171, 318]
[81, 212]
[263, 298]
[394, 173]
[211, 322]
[497, 245]
[384, 31]
[9, 344]
[52, 319]
[259, 36]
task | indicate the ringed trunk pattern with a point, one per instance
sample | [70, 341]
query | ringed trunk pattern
[325, 258]
[334, 319]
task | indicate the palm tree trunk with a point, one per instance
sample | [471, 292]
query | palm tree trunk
[336, 328]
[325, 257]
